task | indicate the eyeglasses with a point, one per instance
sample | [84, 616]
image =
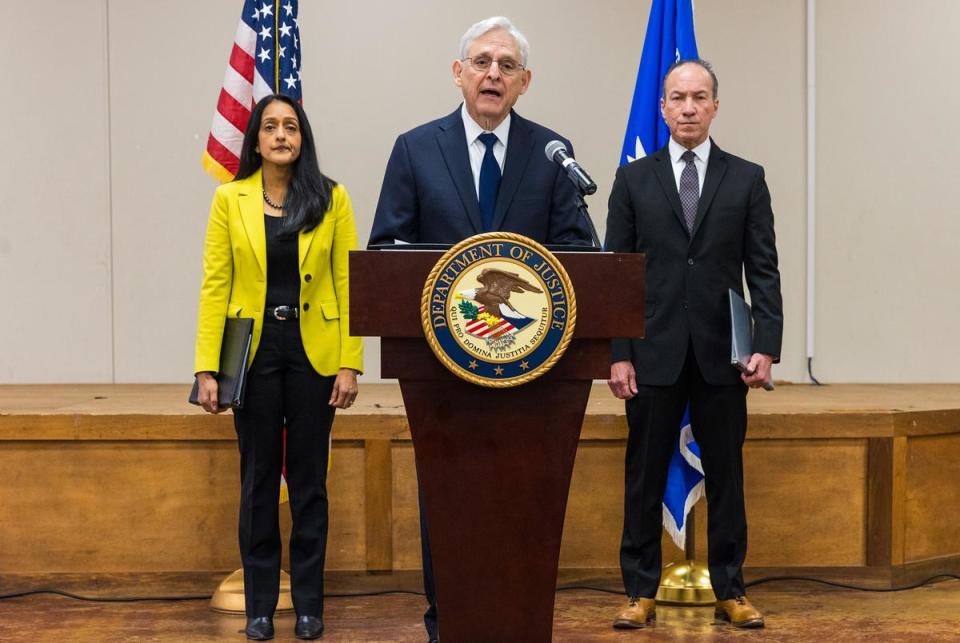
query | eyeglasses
[507, 66]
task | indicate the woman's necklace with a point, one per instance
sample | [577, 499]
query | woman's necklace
[269, 202]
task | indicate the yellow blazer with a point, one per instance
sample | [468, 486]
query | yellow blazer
[235, 278]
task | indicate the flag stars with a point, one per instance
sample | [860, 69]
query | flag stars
[296, 43]
[256, 15]
[290, 81]
[265, 33]
[280, 51]
[285, 30]
[293, 61]
[263, 55]
[288, 8]
[266, 10]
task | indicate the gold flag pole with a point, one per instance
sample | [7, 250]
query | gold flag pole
[229, 595]
[688, 582]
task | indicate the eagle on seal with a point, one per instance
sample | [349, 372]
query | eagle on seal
[497, 286]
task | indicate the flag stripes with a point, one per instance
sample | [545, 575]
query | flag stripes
[264, 60]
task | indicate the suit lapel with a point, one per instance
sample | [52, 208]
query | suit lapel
[663, 168]
[514, 165]
[304, 239]
[452, 140]
[716, 168]
[251, 213]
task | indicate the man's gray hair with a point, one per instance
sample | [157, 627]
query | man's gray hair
[700, 62]
[490, 24]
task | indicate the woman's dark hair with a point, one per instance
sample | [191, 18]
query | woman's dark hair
[310, 191]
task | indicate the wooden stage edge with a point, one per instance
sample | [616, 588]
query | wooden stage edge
[849, 483]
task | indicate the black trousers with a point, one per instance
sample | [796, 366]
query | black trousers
[718, 417]
[430, 615]
[283, 389]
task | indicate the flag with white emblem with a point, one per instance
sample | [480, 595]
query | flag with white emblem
[670, 37]
[265, 60]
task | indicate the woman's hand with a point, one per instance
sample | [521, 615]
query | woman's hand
[344, 389]
[208, 389]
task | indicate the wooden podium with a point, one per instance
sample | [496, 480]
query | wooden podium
[494, 465]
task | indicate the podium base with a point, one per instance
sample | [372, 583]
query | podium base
[686, 583]
[229, 595]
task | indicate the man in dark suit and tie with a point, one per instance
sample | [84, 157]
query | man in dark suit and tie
[703, 219]
[480, 169]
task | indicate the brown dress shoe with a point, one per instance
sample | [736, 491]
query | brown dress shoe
[739, 612]
[639, 613]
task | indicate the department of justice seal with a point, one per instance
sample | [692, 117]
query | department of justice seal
[498, 309]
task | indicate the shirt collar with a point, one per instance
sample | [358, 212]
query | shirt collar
[474, 130]
[676, 151]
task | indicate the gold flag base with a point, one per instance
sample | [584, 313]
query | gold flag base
[229, 595]
[686, 583]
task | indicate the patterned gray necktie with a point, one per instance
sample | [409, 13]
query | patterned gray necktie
[689, 189]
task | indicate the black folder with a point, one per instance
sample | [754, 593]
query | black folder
[234, 354]
[741, 335]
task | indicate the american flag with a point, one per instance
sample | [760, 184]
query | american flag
[480, 328]
[265, 60]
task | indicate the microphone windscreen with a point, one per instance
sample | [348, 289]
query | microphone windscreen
[553, 147]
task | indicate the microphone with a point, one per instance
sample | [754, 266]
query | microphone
[556, 151]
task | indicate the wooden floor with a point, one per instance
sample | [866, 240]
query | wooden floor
[797, 613]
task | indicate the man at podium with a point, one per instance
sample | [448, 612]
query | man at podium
[703, 218]
[479, 169]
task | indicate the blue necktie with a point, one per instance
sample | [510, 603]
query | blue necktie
[489, 182]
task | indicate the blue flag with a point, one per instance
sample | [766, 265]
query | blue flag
[669, 38]
[684, 483]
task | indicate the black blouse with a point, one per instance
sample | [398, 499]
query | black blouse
[283, 269]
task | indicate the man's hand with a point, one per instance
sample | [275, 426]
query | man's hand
[759, 369]
[207, 390]
[344, 389]
[623, 380]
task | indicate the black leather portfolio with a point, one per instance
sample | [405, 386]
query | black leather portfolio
[234, 354]
[741, 335]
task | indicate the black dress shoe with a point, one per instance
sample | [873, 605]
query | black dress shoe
[259, 628]
[308, 627]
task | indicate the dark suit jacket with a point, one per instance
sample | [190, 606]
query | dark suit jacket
[428, 194]
[688, 275]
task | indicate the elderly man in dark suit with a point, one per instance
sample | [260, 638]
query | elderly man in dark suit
[480, 169]
[703, 219]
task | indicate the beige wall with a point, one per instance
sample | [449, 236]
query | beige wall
[104, 202]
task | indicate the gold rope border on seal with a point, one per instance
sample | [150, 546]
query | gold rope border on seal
[452, 366]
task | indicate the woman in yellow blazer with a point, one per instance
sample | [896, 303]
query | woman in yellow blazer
[276, 251]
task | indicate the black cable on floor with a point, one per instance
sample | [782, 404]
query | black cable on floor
[106, 599]
[772, 579]
[187, 597]
[562, 588]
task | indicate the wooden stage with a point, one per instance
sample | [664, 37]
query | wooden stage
[798, 614]
[858, 483]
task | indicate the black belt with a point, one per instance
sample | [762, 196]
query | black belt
[283, 313]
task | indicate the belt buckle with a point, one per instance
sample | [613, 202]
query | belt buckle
[279, 313]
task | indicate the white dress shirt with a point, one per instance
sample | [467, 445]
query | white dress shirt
[676, 150]
[477, 149]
